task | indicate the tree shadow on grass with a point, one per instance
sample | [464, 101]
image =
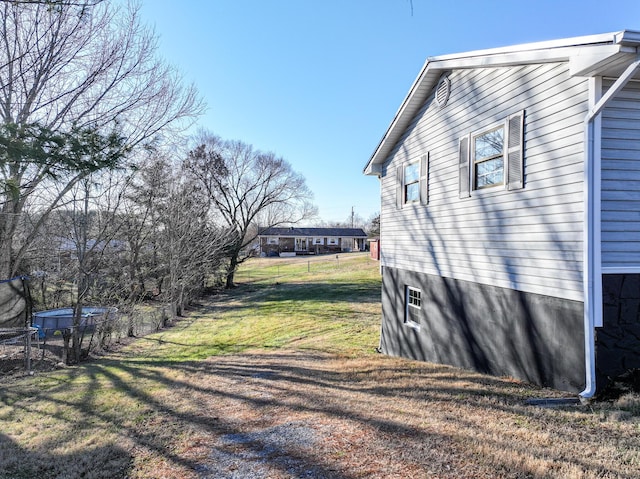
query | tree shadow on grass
[17, 462]
[239, 408]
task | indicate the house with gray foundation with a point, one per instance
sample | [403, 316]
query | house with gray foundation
[510, 212]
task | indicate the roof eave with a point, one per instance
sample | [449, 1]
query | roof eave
[541, 52]
[417, 94]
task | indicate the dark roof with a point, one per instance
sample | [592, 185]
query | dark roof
[354, 232]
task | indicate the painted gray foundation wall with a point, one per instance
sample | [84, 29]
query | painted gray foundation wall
[618, 341]
[493, 330]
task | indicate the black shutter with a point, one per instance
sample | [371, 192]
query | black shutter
[399, 187]
[424, 179]
[515, 152]
[463, 163]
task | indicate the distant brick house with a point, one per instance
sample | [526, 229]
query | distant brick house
[295, 241]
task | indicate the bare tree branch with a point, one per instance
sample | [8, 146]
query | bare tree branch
[244, 186]
[69, 66]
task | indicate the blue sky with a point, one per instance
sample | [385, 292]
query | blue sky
[318, 82]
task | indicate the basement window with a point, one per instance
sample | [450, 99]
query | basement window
[413, 306]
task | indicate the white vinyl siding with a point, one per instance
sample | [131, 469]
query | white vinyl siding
[621, 179]
[527, 239]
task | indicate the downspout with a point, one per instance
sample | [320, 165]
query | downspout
[592, 264]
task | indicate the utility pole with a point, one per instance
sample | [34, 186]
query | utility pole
[352, 215]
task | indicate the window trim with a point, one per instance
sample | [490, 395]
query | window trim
[513, 155]
[409, 305]
[473, 162]
[406, 184]
[421, 181]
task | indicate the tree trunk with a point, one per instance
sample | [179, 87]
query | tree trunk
[231, 270]
[75, 333]
[66, 336]
[76, 344]
[230, 284]
[43, 291]
[9, 213]
[6, 239]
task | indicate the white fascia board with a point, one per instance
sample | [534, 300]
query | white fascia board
[373, 169]
[604, 38]
[619, 84]
[508, 59]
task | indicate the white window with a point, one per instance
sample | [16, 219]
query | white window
[413, 306]
[493, 157]
[317, 241]
[411, 182]
[488, 158]
[272, 240]
[332, 241]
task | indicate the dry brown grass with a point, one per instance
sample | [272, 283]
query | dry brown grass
[374, 417]
[379, 417]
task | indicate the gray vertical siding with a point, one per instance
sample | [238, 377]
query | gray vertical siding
[528, 240]
[621, 179]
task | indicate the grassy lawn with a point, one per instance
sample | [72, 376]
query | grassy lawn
[279, 378]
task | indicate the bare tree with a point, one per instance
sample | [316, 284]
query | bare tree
[90, 228]
[247, 187]
[146, 203]
[72, 69]
[174, 244]
[191, 245]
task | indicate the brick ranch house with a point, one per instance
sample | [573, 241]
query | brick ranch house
[300, 241]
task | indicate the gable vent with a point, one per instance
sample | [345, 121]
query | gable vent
[442, 91]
